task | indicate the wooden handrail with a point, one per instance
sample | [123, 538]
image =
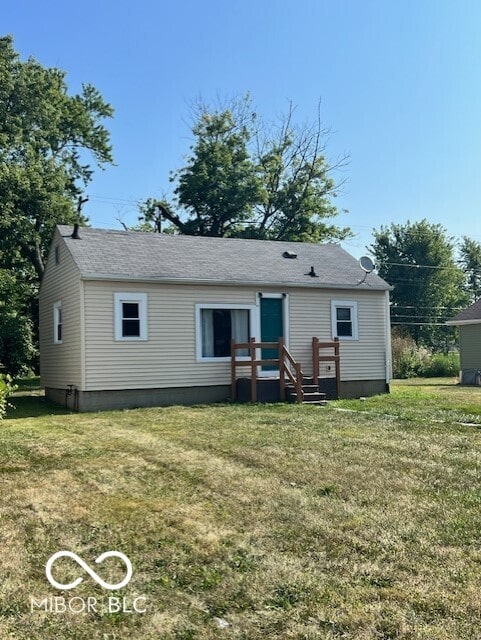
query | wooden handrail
[335, 357]
[285, 361]
[296, 379]
[258, 345]
[251, 361]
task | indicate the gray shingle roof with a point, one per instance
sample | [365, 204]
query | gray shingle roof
[472, 313]
[130, 255]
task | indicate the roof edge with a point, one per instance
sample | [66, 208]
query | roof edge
[455, 323]
[247, 283]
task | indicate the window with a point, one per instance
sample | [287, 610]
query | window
[131, 316]
[344, 319]
[217, 325]
[57, 323]
[57, 255]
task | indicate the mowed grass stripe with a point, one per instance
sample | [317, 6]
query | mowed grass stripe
[287, 522]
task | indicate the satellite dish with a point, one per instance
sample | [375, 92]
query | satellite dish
[366, 264]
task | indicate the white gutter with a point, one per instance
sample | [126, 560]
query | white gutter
[83, 375]
[239, 283]
[388, 339]
[455, 323]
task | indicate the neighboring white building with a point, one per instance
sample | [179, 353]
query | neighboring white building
[140, 319]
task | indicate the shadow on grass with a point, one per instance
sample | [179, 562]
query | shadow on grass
[31, 383]
[33, 406]
[447, 382]
[440, 385]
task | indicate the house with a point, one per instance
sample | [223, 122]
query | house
[469, 323]
[133, 319]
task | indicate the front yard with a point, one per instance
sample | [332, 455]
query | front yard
[357, 521]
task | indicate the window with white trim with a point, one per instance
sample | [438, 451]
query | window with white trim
[130, 316]
[57, 322]
[344, 319]
[217, 325]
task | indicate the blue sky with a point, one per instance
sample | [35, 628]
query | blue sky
[400, 84]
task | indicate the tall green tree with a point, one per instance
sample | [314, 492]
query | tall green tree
[17, 350]
[470, 260]
[418, 260]
[49, 142]
[246, 178]
[46, 138]
[218, 185]
[298, 185]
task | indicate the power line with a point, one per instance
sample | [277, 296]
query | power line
[405, 306]
[419, 266]
[430, 266]
[422, 324]
[421, 318]
[116, 200]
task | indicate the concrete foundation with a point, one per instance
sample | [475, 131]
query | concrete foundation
[360, 388]
[134, 398]
[329, 387]
[267, 391]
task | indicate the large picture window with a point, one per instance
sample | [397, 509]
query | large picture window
[344, 319]
[131, 316]
[217, 326]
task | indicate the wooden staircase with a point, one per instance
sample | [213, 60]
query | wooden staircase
[293, 385]
[310, 393]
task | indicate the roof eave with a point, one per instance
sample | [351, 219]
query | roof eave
[247, 283]
[455, 323]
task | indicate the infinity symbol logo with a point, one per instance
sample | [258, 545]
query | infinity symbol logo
[91, 572]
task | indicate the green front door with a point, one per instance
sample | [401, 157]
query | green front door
[272, 327]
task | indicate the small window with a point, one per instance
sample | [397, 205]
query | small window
[130, 319]
[131, 316]
[57, 255]
[57, 323]
[344, 319]
[217, 326]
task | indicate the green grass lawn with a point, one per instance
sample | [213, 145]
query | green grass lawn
[424, 399]
[284, 521]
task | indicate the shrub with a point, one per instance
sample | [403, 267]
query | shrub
[442, 365]
[410, 360]
[17, 350]
[16, 343]
[6, 389]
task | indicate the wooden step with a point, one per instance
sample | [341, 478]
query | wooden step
[312, 397]
[307, 388]
[310, 390]
[309, 395]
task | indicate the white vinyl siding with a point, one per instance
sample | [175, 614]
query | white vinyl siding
[170, 356]
[310, 315]
[60, 363]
